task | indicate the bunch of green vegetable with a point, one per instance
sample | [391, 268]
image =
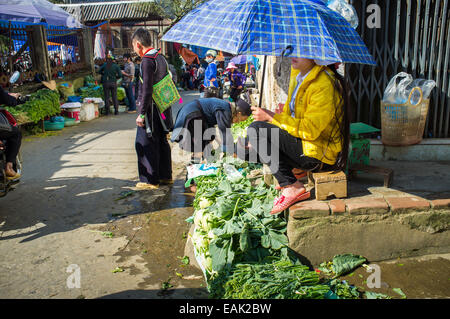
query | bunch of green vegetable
[89, 81]
[233, 222]
[240, 129]
[278, 279]
[96, 91]
[121, 94]
[342, 264]
[40, 104]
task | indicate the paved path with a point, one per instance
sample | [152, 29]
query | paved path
[69, 189]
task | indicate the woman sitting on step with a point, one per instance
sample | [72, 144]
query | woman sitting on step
[311, 133]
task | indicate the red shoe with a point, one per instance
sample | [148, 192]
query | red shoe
[282, 203]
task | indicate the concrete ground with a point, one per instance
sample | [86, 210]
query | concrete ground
[76, 184]
[76, 215]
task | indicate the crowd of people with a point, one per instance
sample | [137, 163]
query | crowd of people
[192, 76]
[310, 133]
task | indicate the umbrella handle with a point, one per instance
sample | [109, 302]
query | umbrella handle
[289, 48]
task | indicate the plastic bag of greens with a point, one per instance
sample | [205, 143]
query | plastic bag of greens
[121, 93]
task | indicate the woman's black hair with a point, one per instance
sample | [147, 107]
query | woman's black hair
[344, 113]
[243, 107]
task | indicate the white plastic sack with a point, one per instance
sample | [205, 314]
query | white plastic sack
[346, 10]
[71, 105]
[92, 100]
[399, 89]
[196, 170]
[87, 112]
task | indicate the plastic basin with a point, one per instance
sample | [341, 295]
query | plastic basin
[69, 122]
[53, 126]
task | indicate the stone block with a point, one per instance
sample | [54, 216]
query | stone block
[309, 209]
[337, 206]
[366, 205]
[440, 203]
[407, 204]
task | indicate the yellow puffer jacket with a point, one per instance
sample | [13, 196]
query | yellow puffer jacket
[315, 118]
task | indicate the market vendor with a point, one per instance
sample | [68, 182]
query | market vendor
[312, 130]
[13, 138]
[110, 72]
[237, 80]
[210, 112]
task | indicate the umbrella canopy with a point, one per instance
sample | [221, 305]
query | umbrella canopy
[267, 27]
[240, 59]
[35, 11]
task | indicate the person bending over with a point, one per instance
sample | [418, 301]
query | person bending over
[208, 112]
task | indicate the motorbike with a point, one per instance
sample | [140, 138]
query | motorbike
[6, 121]
[6, 184]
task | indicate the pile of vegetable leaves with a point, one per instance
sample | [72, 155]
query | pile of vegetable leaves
[91, 91]
[40, 104]
[243, 250]
[233, 223]
[279, 279]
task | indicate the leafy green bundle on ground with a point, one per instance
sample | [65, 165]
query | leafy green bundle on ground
[279, 279]
[40, 104]
[342, 264]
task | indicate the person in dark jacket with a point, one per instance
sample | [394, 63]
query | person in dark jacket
[208, 112]
[13, 138]
[110, 72]
[153, 149]
[137, 75]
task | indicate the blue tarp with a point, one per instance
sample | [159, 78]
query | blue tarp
[36, 11]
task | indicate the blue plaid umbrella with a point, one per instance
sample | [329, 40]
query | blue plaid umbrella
[247, 27]
[240, 59]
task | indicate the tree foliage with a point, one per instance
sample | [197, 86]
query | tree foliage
[177, 9]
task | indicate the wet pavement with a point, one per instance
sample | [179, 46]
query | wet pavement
[76, 205]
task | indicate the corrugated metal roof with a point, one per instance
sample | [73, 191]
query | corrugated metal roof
[119, 11]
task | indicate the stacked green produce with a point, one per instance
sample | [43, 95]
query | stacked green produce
[97, 91]
[91, 91]
[240, 129]
[243, 250]
[40, 104]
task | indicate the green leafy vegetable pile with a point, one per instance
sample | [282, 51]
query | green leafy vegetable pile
[240, 129]
[95, 91]
[40, 104]
[233, 222]
[243, 250]
[279, 279]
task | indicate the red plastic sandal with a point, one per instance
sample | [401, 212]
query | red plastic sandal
[282, 203]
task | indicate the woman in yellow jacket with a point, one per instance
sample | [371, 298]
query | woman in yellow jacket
[311, 133]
